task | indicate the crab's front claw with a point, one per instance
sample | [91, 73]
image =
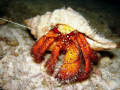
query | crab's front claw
[71, 65]
[40, 47]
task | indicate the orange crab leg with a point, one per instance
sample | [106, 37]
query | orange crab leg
[38, 44]
[40, 51]
[94, 56]
[51, 62]
[85, 47]
[71, 64]
[41, 41]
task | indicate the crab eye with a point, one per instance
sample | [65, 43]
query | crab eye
[56, 30]
[71, 33]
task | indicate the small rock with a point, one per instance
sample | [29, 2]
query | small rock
[105, 61]
[14, 54]
[2, 44]
[1, 53]
[98, 72]
[13, 43]
[4, 39]
[99, 87]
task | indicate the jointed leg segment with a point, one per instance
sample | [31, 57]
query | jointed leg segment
[72, 65]
[42, 45]
[52, 61]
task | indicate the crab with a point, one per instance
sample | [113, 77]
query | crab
[66, 31]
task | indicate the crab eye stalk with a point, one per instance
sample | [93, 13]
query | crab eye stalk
[71, 33]
[56, 30]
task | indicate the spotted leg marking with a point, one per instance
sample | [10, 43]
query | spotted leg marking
[71, 64]
[42, 40]
[40, 51]
[52, 61]
[85, 47]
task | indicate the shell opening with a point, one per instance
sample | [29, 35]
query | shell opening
[65, 29]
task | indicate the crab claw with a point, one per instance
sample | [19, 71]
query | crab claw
[42, 45]
[71, 65]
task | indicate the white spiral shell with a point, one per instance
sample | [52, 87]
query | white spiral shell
[41, 25]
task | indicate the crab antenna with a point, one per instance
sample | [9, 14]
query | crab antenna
[17, 24]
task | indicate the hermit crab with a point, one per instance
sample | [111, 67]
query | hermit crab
[66, 31]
